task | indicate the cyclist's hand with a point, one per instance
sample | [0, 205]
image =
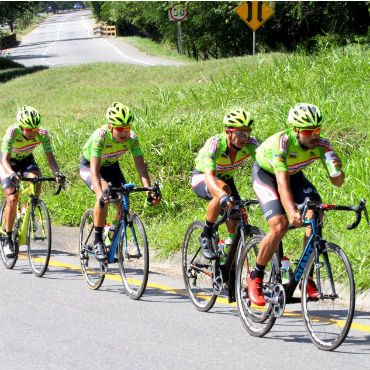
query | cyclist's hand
[153, 199]
[60, 178]
[296, 219]
[103, 200]
[225, 202]
[337, 161]
[14, 178]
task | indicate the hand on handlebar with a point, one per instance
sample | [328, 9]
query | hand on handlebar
[14, 178]
[296, 219]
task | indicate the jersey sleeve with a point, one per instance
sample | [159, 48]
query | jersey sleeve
[210, 153]
[135, 145]
[97, 143]
[280, 153]
[8, 139]
[44, 138]
[252, 146]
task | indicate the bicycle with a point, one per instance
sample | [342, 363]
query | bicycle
[328, 317]
[129, 241]
[204, 279]
[32, 227]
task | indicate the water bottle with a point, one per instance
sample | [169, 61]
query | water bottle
[285, 274]
[228, 242]
[221, 253]
[107, 241]
[334, 171]
[112, 229]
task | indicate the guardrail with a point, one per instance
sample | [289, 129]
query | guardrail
[105, 31]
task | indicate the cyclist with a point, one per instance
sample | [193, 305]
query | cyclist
[99, 165]
[216, 165]
[280, 184]
[17, 159]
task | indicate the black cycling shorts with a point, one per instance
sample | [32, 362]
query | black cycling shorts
[111, 174]
[265, 187]
[24, 167]
[200, 188]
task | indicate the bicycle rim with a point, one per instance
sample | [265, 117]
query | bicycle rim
[90, 267]
[257, 320]
[329, 317]
[197, 271]
[134, 257]
[39, 239]
[9, 263]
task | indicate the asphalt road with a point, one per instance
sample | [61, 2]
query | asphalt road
[56, 322]
[68, 39]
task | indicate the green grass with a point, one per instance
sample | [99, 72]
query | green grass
[178, 107]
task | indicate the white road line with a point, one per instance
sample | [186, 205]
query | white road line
[124, 56]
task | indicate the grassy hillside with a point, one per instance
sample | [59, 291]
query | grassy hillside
[178, 108]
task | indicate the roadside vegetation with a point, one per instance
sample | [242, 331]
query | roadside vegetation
[177, 108]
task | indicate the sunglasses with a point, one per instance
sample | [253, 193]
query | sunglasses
[241, 134]
[310, 132]
[31, 129]
[123, 128]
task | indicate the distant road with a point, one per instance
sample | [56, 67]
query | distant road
[68, 39]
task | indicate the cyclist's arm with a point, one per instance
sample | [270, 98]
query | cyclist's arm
[5, 161]
[95, 165]
[212, 183]
[144, 177]
[286, 196]
[52, 162]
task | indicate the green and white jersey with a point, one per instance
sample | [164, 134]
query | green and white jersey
[214, 156]
[15, 143]
[282, 152]
[102, 145]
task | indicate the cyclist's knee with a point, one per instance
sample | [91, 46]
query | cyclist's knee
[279, 227]
[11, 200]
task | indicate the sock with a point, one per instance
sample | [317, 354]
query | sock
[9, 234]
[258, 271]
[207, 231]
[98, 235]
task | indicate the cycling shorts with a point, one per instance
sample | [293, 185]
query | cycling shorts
[24, 167]
[111, 174]
[200, 188]
[265, 187]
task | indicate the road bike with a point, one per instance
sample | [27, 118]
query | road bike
[328, 317]
[205, 279]
[32, 227]
[129, 244]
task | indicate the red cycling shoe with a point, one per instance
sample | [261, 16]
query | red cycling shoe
[255, 292]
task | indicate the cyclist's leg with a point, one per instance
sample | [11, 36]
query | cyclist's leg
[213, 210]
[265, 187]
[31, 169]
[100, 214]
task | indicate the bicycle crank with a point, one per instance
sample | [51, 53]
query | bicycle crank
[277, 299]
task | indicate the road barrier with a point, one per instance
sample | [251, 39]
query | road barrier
[105, 31]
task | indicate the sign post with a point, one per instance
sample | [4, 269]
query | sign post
[178, 13]
[254, 14]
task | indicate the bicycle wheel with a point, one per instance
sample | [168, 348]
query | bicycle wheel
[257, 320]
[328, 318]
[9, 263]
[133, 257]
[197, 271]
[90, 266]
[39, 239]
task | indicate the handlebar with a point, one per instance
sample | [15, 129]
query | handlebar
[35, 180]
[358, 209]
[127, 189]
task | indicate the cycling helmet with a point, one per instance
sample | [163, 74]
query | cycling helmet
[119, 115]
[28, 117]
[305, 115]
[238, 118]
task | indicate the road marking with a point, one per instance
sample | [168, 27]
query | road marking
[124, 56]
[355, 326]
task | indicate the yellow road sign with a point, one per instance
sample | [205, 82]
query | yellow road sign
[254, 13]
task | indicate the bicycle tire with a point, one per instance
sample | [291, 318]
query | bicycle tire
[258, 321]
[197, 271]
[134, 261]
[39, 239]
[328, 320]
[90, 266]
[9, 262]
